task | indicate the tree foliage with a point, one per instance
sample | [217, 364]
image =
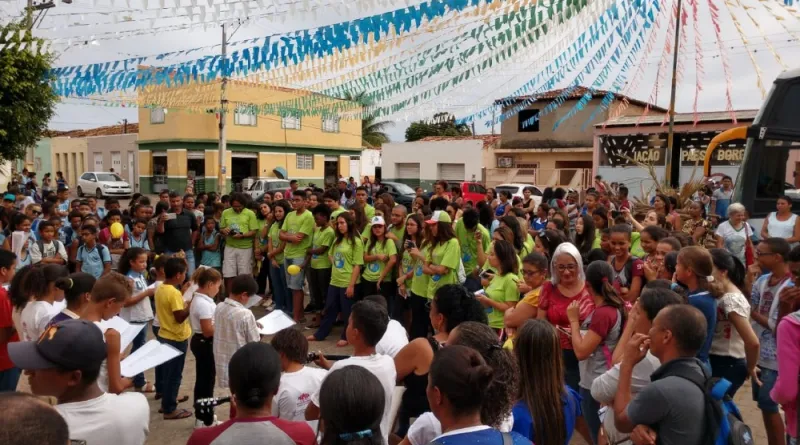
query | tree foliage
[26, 100]
[373, 131]
[442, 124]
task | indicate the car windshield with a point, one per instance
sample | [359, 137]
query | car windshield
[276, 185]
[110, 177]
[403, 189]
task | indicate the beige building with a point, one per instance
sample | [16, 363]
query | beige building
[68, 155]
[119, 152]
[532, 152]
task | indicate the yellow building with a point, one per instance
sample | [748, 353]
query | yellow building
[181, 142]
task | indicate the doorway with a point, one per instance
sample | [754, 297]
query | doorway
[331, 172]
[244, 165]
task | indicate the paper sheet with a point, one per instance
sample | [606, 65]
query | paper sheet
[252, 301]
[127, 331]
[152, 354]
[274, 322]
[18, 239]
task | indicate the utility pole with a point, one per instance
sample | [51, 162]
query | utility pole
[222, 114]
[671, 133]
[124, 126]
[29, 16]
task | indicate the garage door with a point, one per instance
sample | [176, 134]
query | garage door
[408, 173]
[451, 172]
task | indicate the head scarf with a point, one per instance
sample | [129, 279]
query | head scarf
[571, 250]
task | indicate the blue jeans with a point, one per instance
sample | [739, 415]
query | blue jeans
[761, 395]
[189, 260]
[280, 293]
[731, 369]
[335, 302]
[589, 407]
[159, 384]
[138, 342]
[9, 379]
[172, 374]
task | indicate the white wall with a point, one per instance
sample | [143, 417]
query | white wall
[369, 160]
[430, 154]
[636, 179]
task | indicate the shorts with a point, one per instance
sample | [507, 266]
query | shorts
[761, 393]
[295, 282]
[237, 262]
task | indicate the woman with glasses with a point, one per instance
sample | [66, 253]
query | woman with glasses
[567, 284]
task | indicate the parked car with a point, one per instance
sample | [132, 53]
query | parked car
[517, 189]
[261, 186]
[472, 191]
[402, 193]
[102, 184]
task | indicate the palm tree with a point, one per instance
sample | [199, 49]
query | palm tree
[373, 132]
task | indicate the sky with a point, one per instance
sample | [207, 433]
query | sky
[749, 33]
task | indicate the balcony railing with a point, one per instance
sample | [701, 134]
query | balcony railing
[559, 177]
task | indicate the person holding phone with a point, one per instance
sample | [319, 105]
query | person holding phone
[178, 227]
[500, 289]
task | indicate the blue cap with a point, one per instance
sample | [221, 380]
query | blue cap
[10, 197]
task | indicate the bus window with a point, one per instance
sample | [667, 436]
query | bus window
[773, 180]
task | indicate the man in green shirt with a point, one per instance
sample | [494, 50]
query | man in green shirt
[239, 226]
[398, 227]
[332, 199]
[297, 231]
[319, 275]
[361, 198]
[466, 227]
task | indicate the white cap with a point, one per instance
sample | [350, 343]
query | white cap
[378, 221]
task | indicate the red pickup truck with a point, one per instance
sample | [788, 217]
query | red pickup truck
[473, 192]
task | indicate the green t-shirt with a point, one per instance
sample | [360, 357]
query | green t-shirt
[241, 222]
[345, 256]
[420, 280]
[636, 245]
[261, 224]
[373, 269]
[528, 246]
[274, 236]
[598, 239]
[294, 223]
[488, 267]
[365, 234]
[335, 214]
[406, 265]
[369, 211]
[322, 237]
[449, 255]
[502, 288]
[399, 232]
[469, 247]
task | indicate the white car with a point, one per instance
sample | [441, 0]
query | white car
[261, 186]
[102, 184]
[516, 190]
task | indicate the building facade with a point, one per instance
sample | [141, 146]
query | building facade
[176, 147]
[422, 163]
[118, 152]
[68, 155]
[625, 147]
[533, 151]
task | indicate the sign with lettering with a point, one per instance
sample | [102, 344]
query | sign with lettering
[627, 151]
[694, 145]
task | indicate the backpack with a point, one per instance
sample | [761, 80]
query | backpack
[724, 424]
[40, 243]
[100, 249]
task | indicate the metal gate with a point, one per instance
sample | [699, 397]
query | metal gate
[451, 172]
[408, 173]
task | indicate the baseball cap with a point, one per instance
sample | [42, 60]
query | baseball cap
[71, 344]
[439, 216]
[378, 221]
[10, 197]
[63, 187]
[343, 180]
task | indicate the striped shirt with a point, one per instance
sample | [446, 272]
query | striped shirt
[234, 326]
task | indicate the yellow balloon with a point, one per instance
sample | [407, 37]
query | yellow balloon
[294, 269]
[117, 230]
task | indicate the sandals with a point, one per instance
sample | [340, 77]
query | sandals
[178, 414]
[148, 388]
[180, 400]
[341, 343]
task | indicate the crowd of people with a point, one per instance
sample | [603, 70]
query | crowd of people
[570, 312]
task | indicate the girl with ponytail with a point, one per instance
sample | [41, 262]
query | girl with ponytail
[735, 347]
[77, 288]
[34, 296]
[603, 329]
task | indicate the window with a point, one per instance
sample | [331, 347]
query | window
[525, 124]
[305, 162]
[244, 118]
[505, 162]
[157, 115]
[87, 176]
[330, 124]
[290, 122]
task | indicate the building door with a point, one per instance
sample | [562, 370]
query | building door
[330, 171]
[132, 170]
[451, 172]
[408, 173]
[116, 161]
[98, 162]
[355, 168]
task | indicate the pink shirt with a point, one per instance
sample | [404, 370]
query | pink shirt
[554, 303]
[785, 389]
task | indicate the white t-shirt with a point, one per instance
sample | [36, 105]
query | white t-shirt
[295, 392]
[427, 428]
[734, 240]
[382, 367]
[727, 341]
[202, 308]
[102, 378]
[109, 419]
[140, 312]
[155, 316]
[51, 250]
[33, 319]
[393, 340]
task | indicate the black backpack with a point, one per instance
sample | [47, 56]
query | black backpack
[723, 421]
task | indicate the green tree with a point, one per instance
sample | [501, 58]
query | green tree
[373, 131]
[26, 100]
[442, 124]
